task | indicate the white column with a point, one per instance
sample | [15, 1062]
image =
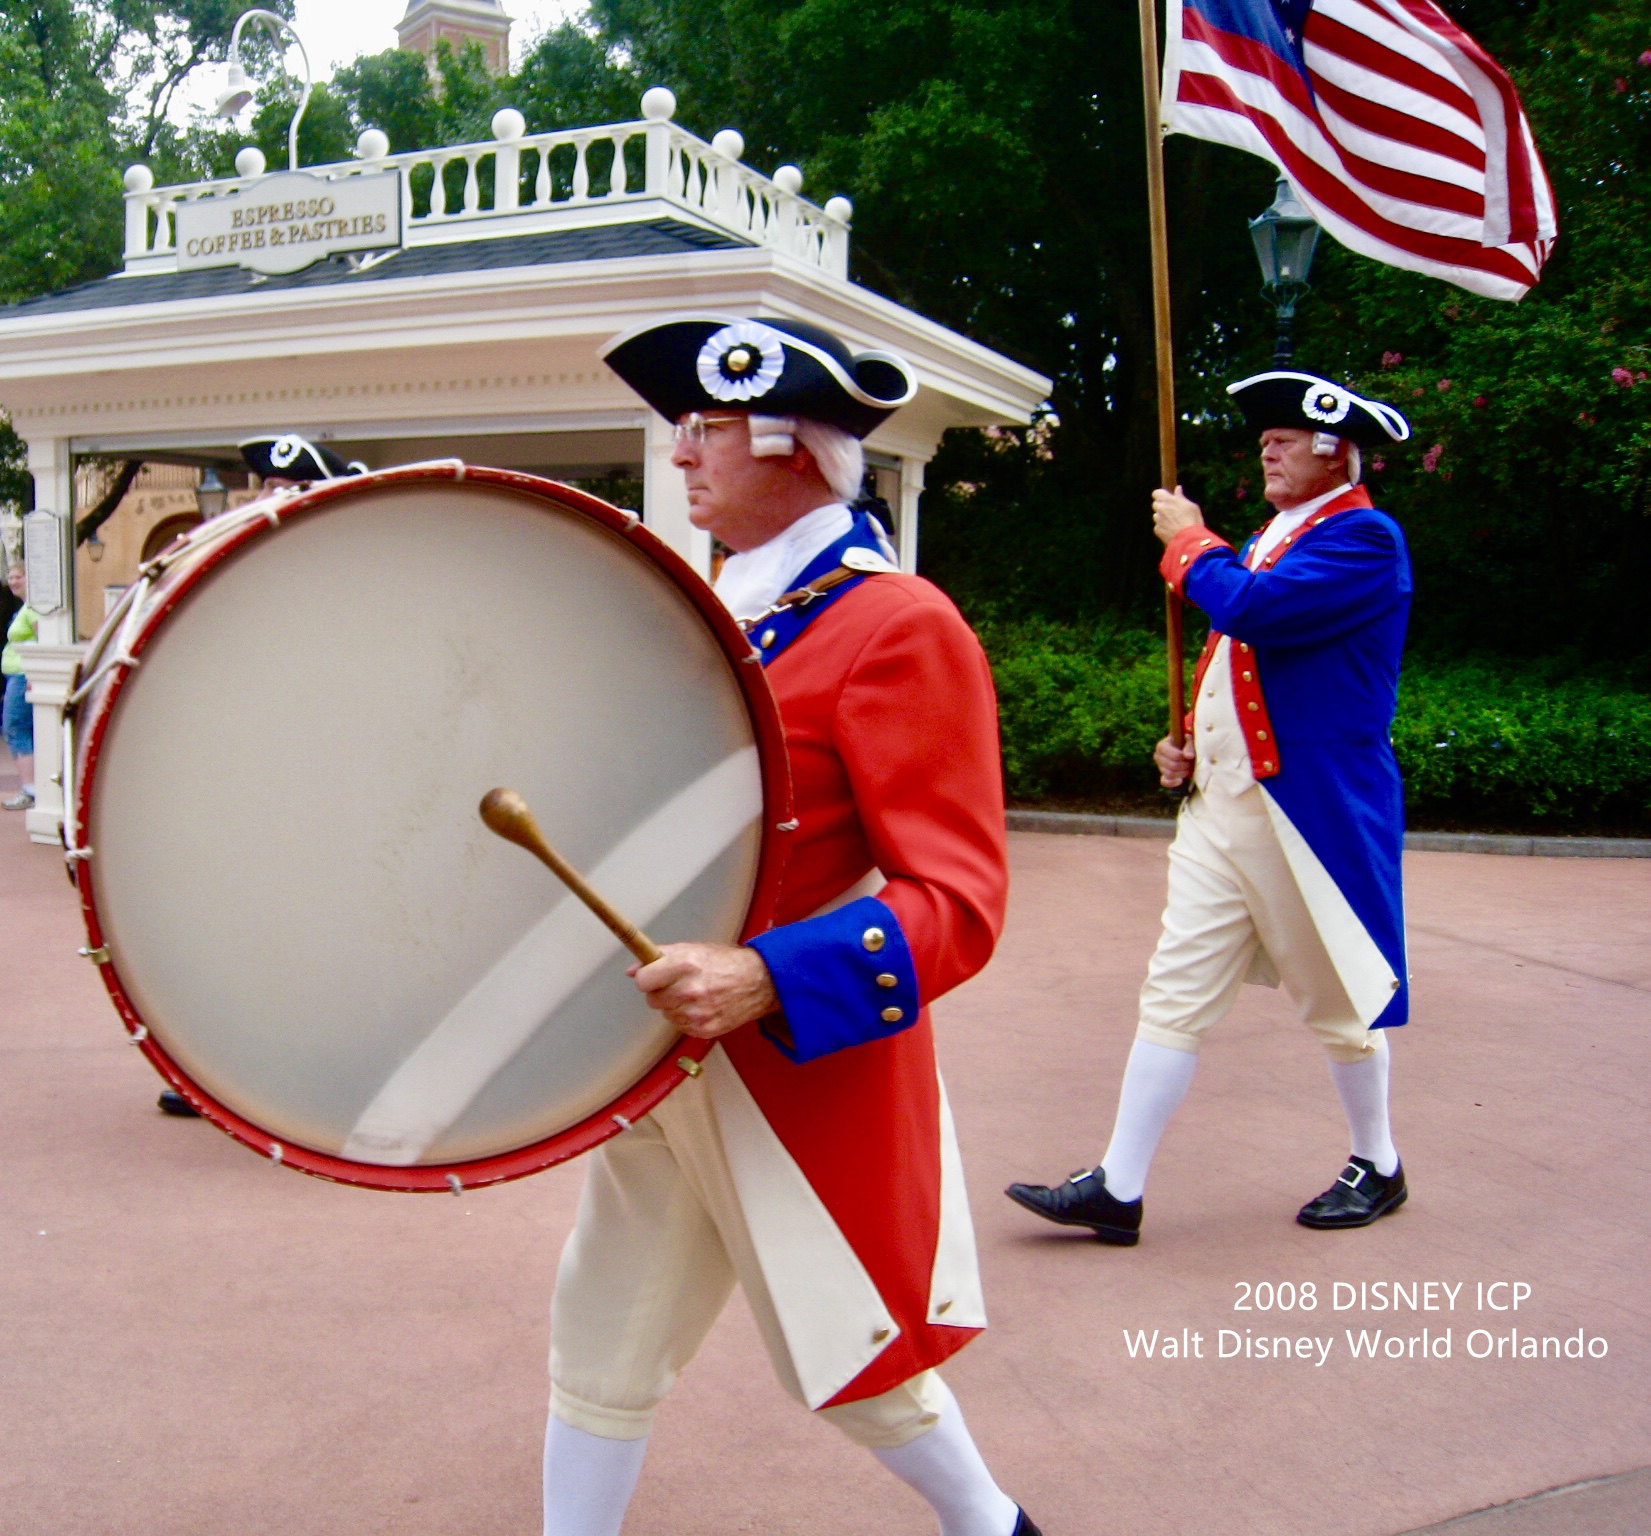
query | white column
[49, 664]
[665, 498]
[911, 492]
[50, 670]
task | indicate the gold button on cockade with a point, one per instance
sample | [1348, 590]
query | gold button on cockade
[893, 1015]
[873, 939]
[886, 980]
[768, 638]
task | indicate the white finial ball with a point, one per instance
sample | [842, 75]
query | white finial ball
[659, 104]
[374, 144]
[730, 144]
[840, 209]
[139, 178]
[508, 125]
[250, 162]
[789, 179]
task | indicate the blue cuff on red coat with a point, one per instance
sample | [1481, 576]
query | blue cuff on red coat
[843, 978]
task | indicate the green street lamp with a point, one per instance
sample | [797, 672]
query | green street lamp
[1285, 237]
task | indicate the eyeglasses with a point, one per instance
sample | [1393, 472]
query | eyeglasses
[693, 426]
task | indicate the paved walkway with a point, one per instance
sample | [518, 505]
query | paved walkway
[195, 1343]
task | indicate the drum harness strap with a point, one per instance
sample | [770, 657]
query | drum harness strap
[801, 597]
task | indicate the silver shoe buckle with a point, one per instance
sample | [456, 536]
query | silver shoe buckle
[1354, 1182]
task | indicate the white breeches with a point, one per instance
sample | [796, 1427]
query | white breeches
[1235, 908]
[659, 1241]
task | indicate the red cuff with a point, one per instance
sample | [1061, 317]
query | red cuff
[1184, 549]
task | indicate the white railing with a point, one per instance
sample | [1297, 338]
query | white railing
[559, 176]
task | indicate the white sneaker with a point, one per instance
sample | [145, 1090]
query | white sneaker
[21, 801]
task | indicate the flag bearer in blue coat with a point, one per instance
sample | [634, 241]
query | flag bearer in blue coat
[1286, 861]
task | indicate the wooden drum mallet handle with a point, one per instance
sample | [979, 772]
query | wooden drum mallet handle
[506, 813]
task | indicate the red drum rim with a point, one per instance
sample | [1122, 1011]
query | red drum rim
[684, 1057]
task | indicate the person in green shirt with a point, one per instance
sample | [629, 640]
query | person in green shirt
[17, 716]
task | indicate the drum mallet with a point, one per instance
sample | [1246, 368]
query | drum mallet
[506, 813]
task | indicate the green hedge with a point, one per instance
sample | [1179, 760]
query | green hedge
[1479, 742]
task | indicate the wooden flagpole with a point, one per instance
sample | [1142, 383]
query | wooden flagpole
[1165, 354]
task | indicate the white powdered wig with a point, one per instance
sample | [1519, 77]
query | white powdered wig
[1324, 445]
[841, 460]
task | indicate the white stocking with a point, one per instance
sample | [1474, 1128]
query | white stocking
[588, 1480]
[1155, 1081]
[1362, 1086]
[943, 1465]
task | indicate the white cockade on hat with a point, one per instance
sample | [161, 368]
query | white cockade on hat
[742, 361]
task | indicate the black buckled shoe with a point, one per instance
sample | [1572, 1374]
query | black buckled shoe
[1024, 1527]
[171, 1102]
[1357, 1198]
[1084, 1201]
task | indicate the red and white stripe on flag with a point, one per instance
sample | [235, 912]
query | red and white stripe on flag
[1404, 137]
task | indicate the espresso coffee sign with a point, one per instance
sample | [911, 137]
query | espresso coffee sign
[285, 222]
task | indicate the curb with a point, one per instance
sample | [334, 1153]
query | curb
[1163, 827]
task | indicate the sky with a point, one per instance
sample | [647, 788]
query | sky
[338, 31]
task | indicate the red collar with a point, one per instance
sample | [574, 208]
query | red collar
[1353, 497]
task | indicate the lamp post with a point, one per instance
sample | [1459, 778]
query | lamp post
[1285, 237]
[237, 92]
[211, 495]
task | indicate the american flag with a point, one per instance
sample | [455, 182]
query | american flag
[1400, 133]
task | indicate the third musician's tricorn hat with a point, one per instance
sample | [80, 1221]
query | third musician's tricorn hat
[287, 456]
[1285, 399]
[774, 367]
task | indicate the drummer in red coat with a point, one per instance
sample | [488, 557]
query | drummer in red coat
[814, 1160]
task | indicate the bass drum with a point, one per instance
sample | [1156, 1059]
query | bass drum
[279, 745]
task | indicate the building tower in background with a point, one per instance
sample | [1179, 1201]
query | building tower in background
[457, 22]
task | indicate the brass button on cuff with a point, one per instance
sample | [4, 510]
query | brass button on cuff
[893, 1015]
[873, 939]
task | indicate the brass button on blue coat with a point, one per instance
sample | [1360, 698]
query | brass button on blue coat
[886, 980]
[873, 939]
[893, 1015]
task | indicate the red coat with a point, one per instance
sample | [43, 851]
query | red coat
[891, 725]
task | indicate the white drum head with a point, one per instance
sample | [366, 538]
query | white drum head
[298, 897]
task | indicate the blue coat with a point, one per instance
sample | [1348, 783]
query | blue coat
[1324, 620]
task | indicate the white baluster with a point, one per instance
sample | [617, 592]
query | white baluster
[438, 187]
[581, 171]
[472, 181]
[541, 182]
[139, 180]
[164, 238]
[616, 178]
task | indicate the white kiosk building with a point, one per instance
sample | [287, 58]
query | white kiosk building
[439, 303]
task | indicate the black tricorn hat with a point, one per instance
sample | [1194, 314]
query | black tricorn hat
[290, 457]
[1283, 399]
[774, 367]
